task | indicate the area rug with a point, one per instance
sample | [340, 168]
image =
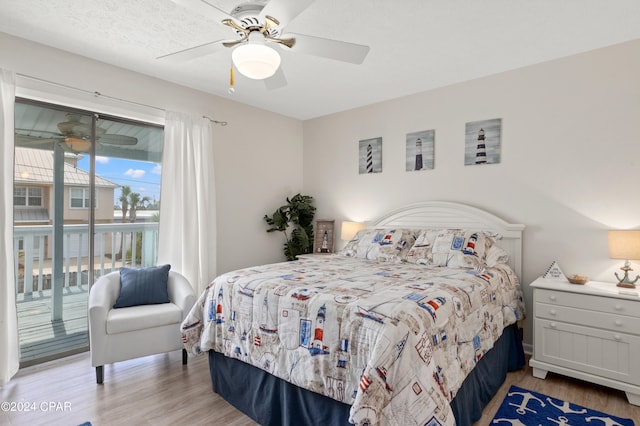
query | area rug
[522, 407]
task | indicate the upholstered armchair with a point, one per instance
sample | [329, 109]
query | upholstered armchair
[141, 327]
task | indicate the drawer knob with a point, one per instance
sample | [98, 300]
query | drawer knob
[618, 323]
[553, 325]
[618, 307]
[617, 337]
[553, 312]
[552, 298]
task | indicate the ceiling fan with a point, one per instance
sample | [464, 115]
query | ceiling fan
[260, 26]
[74, 135]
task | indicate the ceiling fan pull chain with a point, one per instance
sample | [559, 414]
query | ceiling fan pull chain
[232, 80]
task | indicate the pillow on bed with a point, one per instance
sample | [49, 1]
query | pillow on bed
[421, 253]
[143, 286]
[455, 248]
[460, 248]
[496, 256]
[387, 245]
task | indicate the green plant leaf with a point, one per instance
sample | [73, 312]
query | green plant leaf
[299, 212]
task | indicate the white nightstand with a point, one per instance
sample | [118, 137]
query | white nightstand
[590, 332]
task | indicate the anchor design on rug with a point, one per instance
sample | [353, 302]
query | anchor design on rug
[526, 397]
[565, 407]
[512, 422]
[562, 421]
[549, 411]
[607, 421]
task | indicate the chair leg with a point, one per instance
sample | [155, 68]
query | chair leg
[184, 356]
[100, 374]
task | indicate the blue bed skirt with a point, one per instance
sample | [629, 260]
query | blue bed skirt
[272, 401]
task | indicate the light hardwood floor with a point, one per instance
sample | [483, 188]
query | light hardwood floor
[159, 390]
[596, 397]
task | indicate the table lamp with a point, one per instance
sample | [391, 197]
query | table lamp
[625, 245]
[349, 230]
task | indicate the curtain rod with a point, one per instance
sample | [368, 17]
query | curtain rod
[98, 94]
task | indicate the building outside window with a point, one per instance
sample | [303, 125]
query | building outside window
[79, 198]
[27, 196]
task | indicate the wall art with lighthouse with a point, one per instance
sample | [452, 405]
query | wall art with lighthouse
[323, 237]
[482, 142]
[420, 148]
[370, 156]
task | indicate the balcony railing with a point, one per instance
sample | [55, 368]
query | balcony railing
[115, 245]
[52, 316]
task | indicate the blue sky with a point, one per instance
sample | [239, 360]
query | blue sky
[141, 176]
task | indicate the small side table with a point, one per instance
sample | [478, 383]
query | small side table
[590, 332]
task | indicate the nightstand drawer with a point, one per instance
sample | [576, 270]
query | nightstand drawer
[600, 352]
[588, 318]
[588, 302]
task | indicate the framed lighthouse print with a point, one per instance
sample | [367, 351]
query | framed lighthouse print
[482, 142]
[420, 150]
[370, 156]
[323, 237]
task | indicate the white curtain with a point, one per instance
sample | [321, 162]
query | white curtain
[9, 344]
[187, 238]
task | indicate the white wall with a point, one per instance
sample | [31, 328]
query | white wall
[257, 156]
[569, 168]
[570, 152]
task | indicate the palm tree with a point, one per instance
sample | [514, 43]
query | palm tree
[135, 202]
[125, 193]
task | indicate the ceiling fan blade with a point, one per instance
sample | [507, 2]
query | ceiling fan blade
[118, 140]
[235, 42]
[204, 8]
[285, 11]
[269, 23]
[28, 132]
[194, 52]
[289, 42]
[35, 142]
[276, 81]
[235, 26]
[332, 49]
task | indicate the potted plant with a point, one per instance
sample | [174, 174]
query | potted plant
[295, 221]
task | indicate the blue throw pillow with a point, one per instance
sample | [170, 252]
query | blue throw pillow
[145, 286]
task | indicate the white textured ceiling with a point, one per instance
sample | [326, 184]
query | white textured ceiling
[416, 45]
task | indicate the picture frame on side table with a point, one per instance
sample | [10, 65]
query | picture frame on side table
[323, 237]
[554, 272]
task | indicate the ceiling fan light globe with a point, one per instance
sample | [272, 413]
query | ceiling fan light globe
[255, 61]
[77, 144]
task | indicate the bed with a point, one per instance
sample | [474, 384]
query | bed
[413, 322]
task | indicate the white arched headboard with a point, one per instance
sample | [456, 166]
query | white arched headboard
[445, 214]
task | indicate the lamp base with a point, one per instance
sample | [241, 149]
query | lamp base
[625, 282]
[626, 285]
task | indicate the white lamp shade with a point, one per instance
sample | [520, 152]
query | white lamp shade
[624, 245]
[255, 60]
[349, 230]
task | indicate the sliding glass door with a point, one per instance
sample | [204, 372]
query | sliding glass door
[86, 202]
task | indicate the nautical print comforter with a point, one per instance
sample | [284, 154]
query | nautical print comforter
[394, 341]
